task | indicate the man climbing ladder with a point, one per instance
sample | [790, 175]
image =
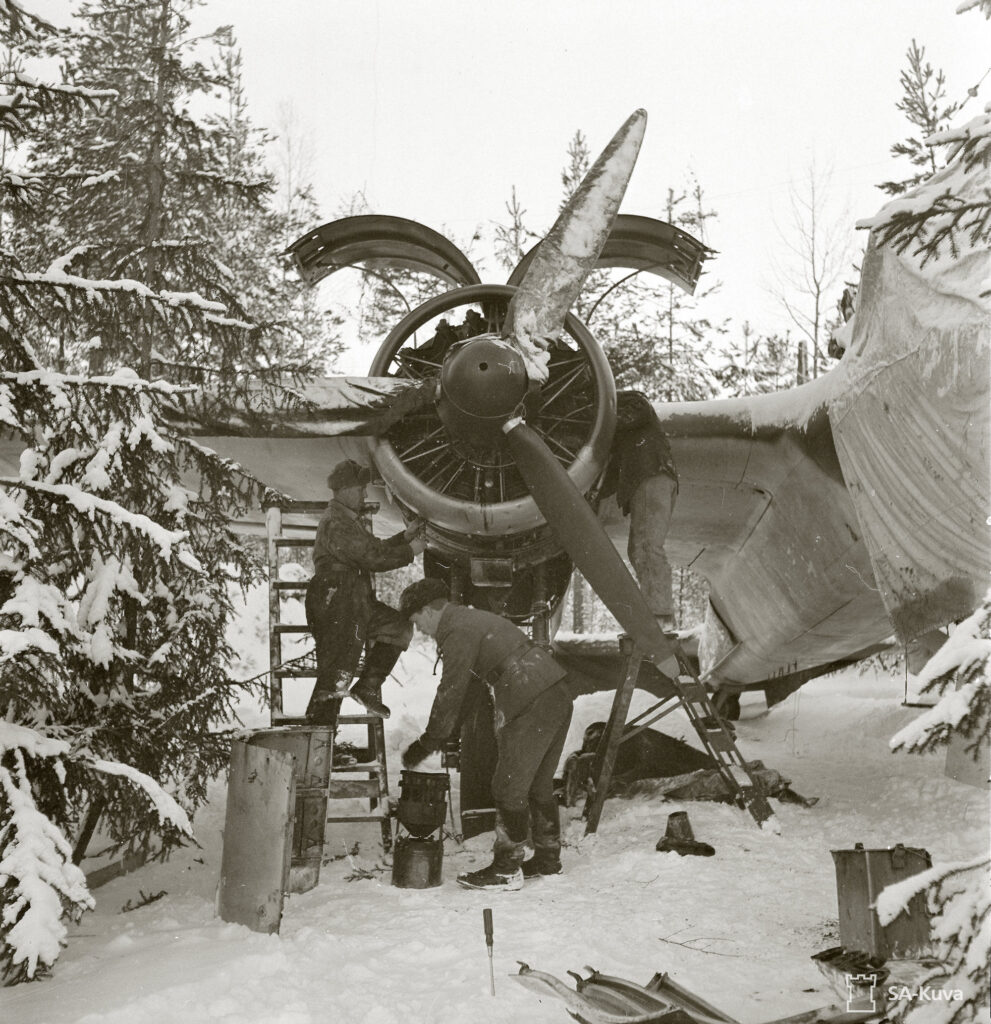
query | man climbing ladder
[341, 608]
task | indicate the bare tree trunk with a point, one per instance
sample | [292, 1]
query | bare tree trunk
[577, 603]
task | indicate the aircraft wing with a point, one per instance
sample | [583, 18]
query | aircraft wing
[763, 514]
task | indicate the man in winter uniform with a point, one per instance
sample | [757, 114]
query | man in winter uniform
[341, 609]
[643, 475]
[532, 706]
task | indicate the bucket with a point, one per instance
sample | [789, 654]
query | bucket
[422, 807]
[417, 863]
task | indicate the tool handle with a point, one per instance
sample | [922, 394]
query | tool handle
[487, 918]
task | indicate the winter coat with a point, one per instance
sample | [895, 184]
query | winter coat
[344, 541]
[475, 644]
[640, 449]
[340, 598]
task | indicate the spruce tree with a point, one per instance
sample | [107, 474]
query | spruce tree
[116, 553]
[957, 893]
[133, 188]
[925, 107]
[253, 242]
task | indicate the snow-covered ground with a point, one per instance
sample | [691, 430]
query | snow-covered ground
[737, 928]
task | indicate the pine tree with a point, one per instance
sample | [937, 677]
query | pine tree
[512, 240]
[755, 364]
[660, 341]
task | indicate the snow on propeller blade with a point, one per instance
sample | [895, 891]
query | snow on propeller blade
[536, 316]
[581, 534]
[567, 255]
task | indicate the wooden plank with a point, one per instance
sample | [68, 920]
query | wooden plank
[254, 870]
[273, 527]
[605, 755]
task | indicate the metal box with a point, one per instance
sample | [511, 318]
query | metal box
[861, 875]
[311, 748]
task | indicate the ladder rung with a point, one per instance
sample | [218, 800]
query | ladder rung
[289, 584]
[286, 627]
[358, 719]
[719, 740]
[293, 542]
[364, 766]
[358, 817]
[297, 505]
[694, 692]
[345, 789]
[295, 673]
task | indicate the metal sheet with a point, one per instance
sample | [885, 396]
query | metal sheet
[311, 750]
[401, 242]
[912, 425]
[254, 870]
[643, 243]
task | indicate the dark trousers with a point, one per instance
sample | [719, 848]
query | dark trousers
[530, 748]
[343, 617]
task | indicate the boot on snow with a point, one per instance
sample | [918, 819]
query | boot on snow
[539, 865]
[494, 878]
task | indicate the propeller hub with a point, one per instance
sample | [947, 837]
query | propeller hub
[482, 383]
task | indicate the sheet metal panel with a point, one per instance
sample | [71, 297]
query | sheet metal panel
[254, 870]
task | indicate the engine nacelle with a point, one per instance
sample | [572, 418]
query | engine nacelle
[448, 465]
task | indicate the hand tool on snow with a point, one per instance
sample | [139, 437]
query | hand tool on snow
[487, 919]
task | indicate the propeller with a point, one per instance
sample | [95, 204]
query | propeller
[558, 269]
[552, 282]
[580, 533]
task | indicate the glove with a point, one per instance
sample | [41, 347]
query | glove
[416, 752]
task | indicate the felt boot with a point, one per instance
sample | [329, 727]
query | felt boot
[379, 662]
[502, 875]
[541, 864]
[545, 825]
[368, 692]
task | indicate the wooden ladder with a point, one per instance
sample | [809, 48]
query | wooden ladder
[716, 736]
[345, 781]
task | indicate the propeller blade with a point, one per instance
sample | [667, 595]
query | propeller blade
[580, 534]
[568, 253]
[645, 244]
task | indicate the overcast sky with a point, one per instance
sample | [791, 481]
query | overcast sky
[436, 108]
